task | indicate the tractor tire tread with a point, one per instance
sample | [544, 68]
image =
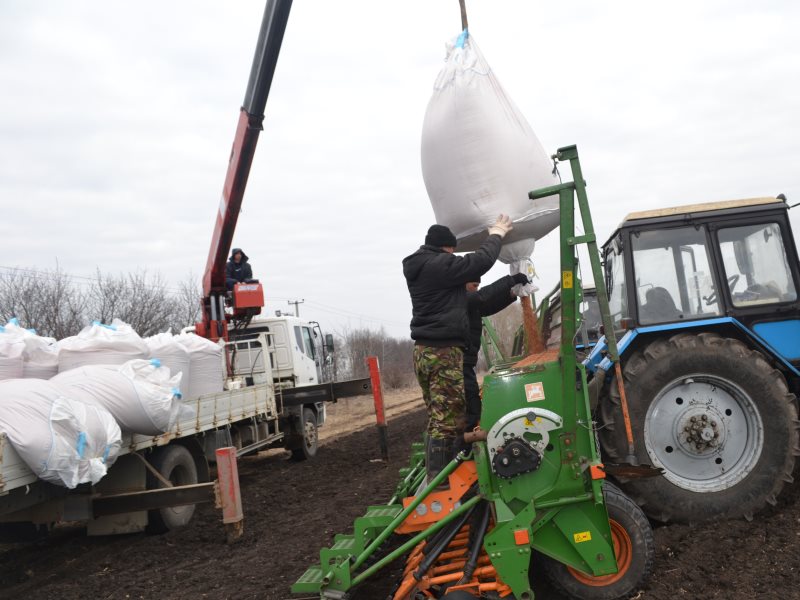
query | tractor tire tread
[664, 349]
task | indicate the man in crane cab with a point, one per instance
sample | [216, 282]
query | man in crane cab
[237, 270]
[485, 302]
[440, 329]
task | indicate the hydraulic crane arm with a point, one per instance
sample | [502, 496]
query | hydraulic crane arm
[273, 26]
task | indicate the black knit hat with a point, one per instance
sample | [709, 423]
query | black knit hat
[439, 235]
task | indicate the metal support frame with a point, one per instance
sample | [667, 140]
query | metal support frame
[568, 193]
[224, 493]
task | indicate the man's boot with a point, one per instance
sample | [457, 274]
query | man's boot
[438, 453]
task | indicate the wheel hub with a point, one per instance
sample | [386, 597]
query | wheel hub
[310, 434]
[704, 431]
[701, 431]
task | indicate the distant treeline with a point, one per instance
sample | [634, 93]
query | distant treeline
[59, 305]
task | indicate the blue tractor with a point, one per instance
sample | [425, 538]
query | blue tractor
[704, 301]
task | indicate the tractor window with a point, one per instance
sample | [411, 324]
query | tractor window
[673, 276]
[756, 267]
[309, 342]
[592, 319]
[615, 282]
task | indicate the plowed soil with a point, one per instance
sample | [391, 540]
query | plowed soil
[293, 509]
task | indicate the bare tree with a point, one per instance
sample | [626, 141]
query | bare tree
[48, 301]
[58, 305]
[139, 299]
[186, 307]
[394, 356]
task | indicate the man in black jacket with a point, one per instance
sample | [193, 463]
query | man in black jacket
[237, 270]
[485, 302]
[440, 329]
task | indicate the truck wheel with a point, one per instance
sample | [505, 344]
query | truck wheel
[176, 464]
[634, 549]
[307, 447]
[716, 416]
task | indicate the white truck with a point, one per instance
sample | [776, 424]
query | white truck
[273, 397]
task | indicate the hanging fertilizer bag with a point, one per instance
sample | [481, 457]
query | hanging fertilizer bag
[62, 440]
[480, 158]
[141, 394]
[100, 344]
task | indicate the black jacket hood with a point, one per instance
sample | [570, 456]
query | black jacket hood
[235, 250]
[413, 263]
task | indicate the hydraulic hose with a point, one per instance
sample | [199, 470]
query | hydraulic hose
[434, 540]
[477, 544]
[442, 544]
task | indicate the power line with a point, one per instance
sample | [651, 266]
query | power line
[350, 314]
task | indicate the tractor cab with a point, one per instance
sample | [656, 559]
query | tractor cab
[689, 264]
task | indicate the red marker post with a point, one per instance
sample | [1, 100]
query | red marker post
[380, 415]
[229, 497]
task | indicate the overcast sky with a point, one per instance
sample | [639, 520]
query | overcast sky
[116, 121]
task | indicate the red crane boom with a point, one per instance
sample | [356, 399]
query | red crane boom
[246, 299]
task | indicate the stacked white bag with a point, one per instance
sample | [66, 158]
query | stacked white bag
[142, 395]
[166, 348]
[62, 440]
[480, 158]
[100, 344]
[39, 354]
[12, 348]
[206, 366]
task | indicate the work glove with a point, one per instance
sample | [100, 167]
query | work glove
[521, 278]
[502, 226]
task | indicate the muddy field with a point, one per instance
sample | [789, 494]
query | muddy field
[292, 509]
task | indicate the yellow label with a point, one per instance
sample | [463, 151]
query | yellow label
[566, 279]
[583, 536]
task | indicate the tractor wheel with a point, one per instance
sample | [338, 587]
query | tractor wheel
[176, 464]
[716, 416]
[634, 548]
[307, 446]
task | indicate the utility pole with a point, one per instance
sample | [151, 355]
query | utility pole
[297, 304]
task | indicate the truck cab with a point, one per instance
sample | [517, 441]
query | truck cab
[297, 354]
[289, 353]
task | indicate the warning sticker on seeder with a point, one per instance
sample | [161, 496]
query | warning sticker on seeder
[583, 536]
[534, 391]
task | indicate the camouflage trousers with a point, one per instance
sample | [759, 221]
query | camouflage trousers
[441, 376]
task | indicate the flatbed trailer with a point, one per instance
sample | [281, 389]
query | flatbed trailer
[162, 477]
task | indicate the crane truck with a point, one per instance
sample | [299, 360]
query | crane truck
[274, 393]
